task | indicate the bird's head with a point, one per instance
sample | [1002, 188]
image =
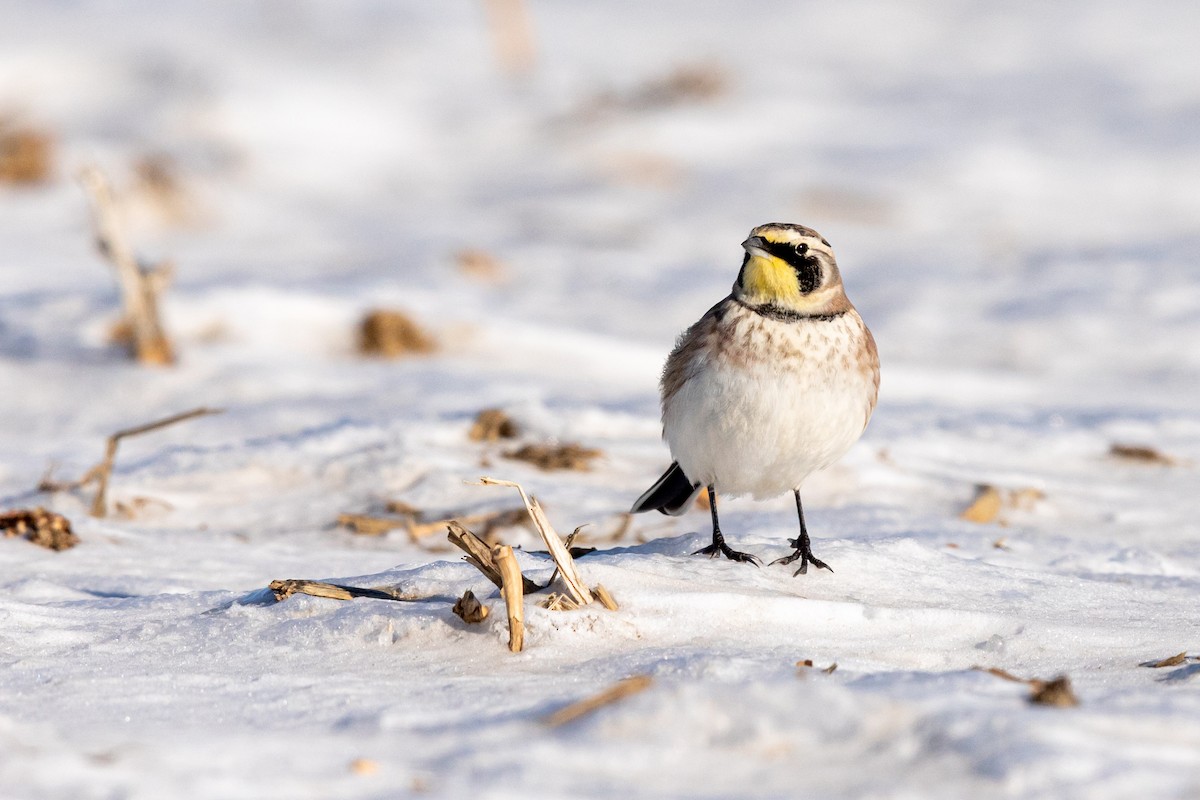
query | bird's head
[790, 269]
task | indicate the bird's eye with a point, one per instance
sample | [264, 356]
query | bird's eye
[801, 249]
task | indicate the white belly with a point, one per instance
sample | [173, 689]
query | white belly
[761, 428]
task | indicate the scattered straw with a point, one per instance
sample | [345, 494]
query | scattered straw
[558, 549]
[604, 597]
[43, 528]
[367, 525]
[1056, 692]
[283, 589]
[141, 287]
[26, 155]
[991, 502]
[985, 507]
[1170, 661]
[551, 457]
[625, 688]
[493, 424]
[391, 334]
[1141, 454]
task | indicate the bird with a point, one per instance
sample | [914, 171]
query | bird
[773, 383]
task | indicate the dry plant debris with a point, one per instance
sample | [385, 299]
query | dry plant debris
[564, 602]
[625, 688]
[140, 287]
[413, 522]
[1170, 661]
[481, 265]
[102, 472]
[479, 555]
[1055, 692]
[991, 501]
[488, 522]
[283, 589]
[1142, 454]
[367, 525]
[391, 334]
[690, 83]
[605, 598]
[497, 563]
[469, 609]
[44, 528]
[551, 457]
[512, 592]
[26, 154]
[554, 543]
[807, 664]
[493, 424]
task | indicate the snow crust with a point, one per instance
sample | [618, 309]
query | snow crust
[1012, 193]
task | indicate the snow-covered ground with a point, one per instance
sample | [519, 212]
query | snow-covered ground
[1014, 194]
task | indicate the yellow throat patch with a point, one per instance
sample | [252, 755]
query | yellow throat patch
[770, 280]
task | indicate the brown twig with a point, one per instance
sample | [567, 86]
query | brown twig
[139, 288]
[625, 688]
[102, 472]
[1054, 692]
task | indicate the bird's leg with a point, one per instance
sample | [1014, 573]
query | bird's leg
[718, 543]
[803, 547]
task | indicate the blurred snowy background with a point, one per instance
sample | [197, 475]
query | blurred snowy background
[1014, 194]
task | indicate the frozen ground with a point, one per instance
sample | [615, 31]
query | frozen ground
[1012, 190]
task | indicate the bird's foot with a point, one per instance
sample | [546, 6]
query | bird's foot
[727, 551]
[805, 555]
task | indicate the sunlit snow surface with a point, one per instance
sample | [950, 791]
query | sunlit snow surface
[1014, 195]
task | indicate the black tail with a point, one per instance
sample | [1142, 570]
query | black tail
[670, 494]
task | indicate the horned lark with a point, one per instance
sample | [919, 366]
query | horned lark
[776, 381]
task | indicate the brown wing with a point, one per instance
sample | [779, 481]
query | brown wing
[685, 360]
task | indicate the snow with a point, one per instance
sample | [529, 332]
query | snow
[1012, 195]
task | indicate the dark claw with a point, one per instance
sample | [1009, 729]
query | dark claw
[804, 553]
[727, 551]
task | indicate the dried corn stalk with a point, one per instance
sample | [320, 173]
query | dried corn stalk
[554, 543]
[140, 288]
[514, 597]
[480, 555]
